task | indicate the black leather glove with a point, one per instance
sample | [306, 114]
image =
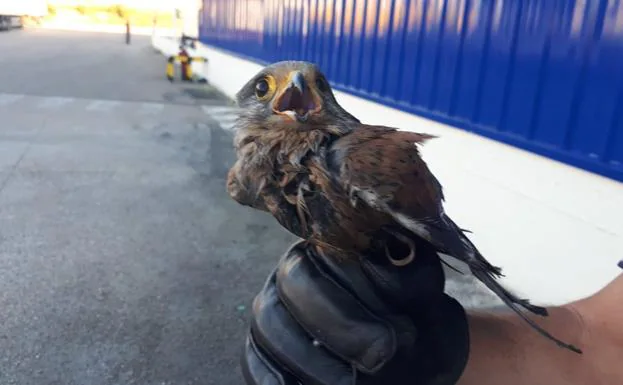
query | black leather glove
[319, 320]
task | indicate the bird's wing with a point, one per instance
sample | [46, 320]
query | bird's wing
[382, 168]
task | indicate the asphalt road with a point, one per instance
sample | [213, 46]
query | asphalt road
[122, 259]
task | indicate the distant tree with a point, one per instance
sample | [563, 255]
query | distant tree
[121, 11]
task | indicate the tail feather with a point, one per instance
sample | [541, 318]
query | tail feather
[511, 301]
[469, 250]
[449, 266]
[450, 239]
[487, 274]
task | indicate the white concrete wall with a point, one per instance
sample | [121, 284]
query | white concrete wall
[556, 230]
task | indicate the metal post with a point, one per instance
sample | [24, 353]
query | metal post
[127, 31]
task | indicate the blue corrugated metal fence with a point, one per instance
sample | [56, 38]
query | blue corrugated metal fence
[543, 75]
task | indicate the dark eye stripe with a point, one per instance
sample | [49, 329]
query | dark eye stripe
[321, 83]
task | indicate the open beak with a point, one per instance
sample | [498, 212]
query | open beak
[297, 101]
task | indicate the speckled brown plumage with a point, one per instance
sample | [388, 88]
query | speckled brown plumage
[342, 185]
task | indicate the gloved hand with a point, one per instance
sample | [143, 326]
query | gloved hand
[319, 320]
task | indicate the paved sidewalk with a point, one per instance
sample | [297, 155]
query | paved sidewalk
[122, 259]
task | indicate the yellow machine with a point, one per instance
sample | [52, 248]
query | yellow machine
[185, 61]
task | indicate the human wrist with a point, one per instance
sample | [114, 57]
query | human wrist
[505, 350]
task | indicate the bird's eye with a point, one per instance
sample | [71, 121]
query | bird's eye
[261, 88]
[322, 85]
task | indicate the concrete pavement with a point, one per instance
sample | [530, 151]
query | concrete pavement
[122, 259]
[93, 65]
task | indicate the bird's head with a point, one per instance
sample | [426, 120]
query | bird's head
[291, 95]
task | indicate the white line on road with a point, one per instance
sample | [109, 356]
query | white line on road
[151, 107]
[6, 99]
[55, 102]
[215, 110]
[224, 115]
[226, 118]
[227, 126]
[102, 105]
